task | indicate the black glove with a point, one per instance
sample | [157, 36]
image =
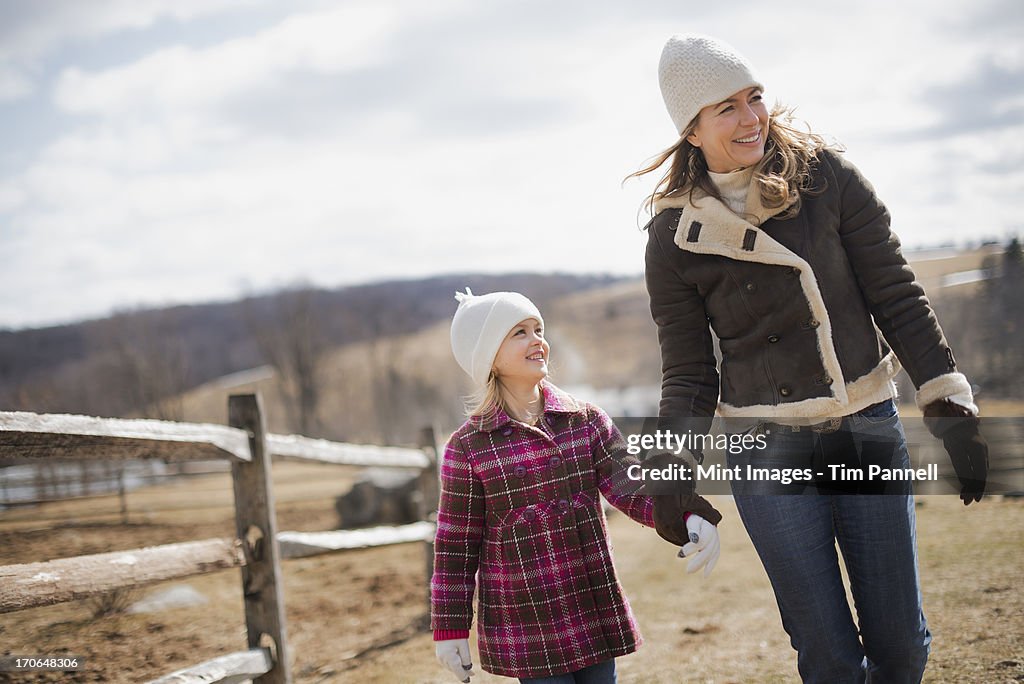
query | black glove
[969, 453]
[675, 498]
[669, 510]
[967, 449]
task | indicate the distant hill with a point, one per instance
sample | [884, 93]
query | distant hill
[378, 355]
[113, 366]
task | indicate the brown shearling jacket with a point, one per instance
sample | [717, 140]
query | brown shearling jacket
[795, 304]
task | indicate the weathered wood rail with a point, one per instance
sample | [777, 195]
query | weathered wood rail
[257, 549]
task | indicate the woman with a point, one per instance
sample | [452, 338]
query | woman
[520, 513]
[771, 239]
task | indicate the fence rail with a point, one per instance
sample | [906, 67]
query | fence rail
[31, 585]
[234, 667]
[257, 549]
[30, 436]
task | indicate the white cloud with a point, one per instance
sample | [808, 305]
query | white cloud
[442, 138]
[32, 31]
[14, 84]
[182, 77]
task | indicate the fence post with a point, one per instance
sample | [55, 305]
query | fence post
[256, 526]
[429, 491]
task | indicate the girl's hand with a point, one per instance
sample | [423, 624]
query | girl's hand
[454, 654]
[704, 546]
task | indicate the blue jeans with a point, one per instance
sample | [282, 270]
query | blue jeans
[795, 534]
[601, 673]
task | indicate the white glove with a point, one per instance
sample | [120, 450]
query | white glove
[454, 654]
[704, 545]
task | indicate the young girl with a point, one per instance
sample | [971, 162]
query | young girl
[520, 484]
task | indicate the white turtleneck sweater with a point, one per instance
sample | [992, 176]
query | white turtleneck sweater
[734, 186]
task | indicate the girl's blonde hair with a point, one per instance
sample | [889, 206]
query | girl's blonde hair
[783, 172]
[489, 398]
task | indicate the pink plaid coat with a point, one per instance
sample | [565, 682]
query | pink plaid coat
[520, 510]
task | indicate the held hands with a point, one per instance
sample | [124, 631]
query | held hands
[704, 546]
[454, 654]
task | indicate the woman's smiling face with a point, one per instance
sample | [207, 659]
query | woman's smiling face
[732, 133]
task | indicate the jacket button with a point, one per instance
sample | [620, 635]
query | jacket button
[785, 391]
[773, 338]
[750, 287]
[507, 431]
[563, 505]
[555, 462]
[520, 471]
[824, 379]
[529, 514]
[794, 271]
[813, 323]
[549, 420]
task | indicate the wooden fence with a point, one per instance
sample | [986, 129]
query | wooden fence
[257, 548]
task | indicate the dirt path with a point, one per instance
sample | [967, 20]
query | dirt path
[359, 616]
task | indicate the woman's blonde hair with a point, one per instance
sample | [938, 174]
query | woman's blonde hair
[782, 173]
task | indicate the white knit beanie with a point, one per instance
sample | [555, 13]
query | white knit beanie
[696, 71]
[480, 326]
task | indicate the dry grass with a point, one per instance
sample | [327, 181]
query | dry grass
[358, 616]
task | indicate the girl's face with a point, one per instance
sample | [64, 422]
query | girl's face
[523, 355]
[732, 133]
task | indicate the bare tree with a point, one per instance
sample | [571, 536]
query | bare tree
[147, 363]
[292, 339]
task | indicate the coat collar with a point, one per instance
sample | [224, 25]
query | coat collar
[555, 401]
[712, 209]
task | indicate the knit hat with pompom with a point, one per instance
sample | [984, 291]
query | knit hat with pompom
[480, 326]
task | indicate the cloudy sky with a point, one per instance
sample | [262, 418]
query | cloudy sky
[166, 151]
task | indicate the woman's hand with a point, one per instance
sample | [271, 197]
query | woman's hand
[454, 654]
[957, 427]
[704, 546]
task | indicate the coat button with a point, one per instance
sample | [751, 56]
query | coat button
[785, 391]
[520, 471]
[813, 323]
[773, 338]
[529, 514]
[824, 380]
[750, 287]
[794, 271]
[549, 420]
[563, 505]
[555, 462]
[507, 431]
